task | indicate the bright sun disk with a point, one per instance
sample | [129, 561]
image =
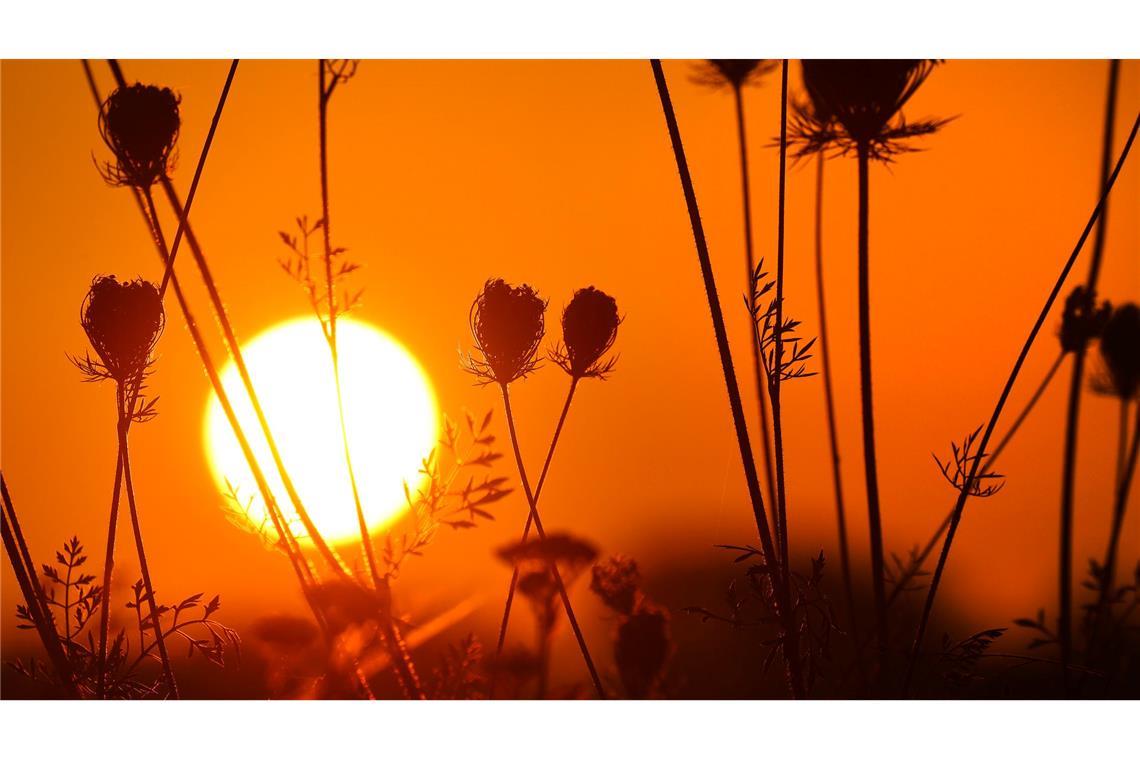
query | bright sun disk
[390, 414]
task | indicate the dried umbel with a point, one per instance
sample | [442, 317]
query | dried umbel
[140, 125]
[1082, 320]
[732, 72]
[642, 648]
[1120, 351]
[616, 581]
[507, 324]
[589, 328]
[857, 105]
[123, 321]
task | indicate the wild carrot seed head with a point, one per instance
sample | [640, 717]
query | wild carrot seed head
[732, 72]
[589, 328]
[1120, 351]
[507, 324]
[123, 321]
[857, 104]
[1082, 320]
[140, 124]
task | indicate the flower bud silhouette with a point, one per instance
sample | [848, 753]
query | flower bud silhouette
[1120, 350]
[589, 329]
[123, 321]
[1082, 320]
[641, 649]
[507, 324]
[139, 123]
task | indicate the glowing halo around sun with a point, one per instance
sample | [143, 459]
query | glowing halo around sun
[390, 412]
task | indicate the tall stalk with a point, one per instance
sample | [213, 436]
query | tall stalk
[771, 558]
[964, 493]
[533, 504]
[829, 402]
[1072, 416]
[234, 349]
[775, 375]
[1120, 505]
[870, 466]
[750, 263]
[25, 571]
[530, 517]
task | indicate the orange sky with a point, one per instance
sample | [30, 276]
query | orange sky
[445, 173]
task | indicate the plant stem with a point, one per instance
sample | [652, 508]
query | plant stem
[235, 351]
[108, 568]
[1072, 417]
[776, 378]
[167, 671]
[1045, 381]
[542, 535]
[1127, 472]
[829, 402]
[750, 261]
[870, 466]
[530, 521]
[964, 493]
[38, 611]
[771, 558]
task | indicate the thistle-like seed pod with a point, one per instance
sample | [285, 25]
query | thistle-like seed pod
[123, 321]
[507, 324]
[857, 105]
[1082, 320]
[732, 72]
[641, 649]
[1120, 350]
[589, 329]
[139, 123]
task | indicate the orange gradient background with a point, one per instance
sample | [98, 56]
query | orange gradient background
[560, 174]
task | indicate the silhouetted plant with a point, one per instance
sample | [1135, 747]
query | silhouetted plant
[769, 550]
[642, 643]
[959, 506]
[736, 74]
[589, 329]
[140, 125]
[1076, 385]
[508, 325]
[547, 565]
[962, 461]
[856, 107]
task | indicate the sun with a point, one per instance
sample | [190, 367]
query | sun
[390, 413]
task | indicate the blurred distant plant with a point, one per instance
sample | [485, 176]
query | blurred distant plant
[642, 643]
[547, 565]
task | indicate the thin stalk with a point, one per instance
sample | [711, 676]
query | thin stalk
[963, 495]
[1072, 417]
[1121, 440]
[570, 616]
[25, 571]
[1127, 472]
[829, 402]
[235, 352]
[750, 262]
[771, 558]
[108, 567]
[870, 466]
[530, 521]
[164, 656]
[775, 379]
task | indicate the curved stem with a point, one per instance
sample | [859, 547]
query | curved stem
[570, 616]
[750, 261]
[530, 521]
[771, 558]
[960, 505]
[776, 378]
[1127, 472]
[870, 465]
[991, 460]
[108, 568]
[1072, 417]
[167, 670]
